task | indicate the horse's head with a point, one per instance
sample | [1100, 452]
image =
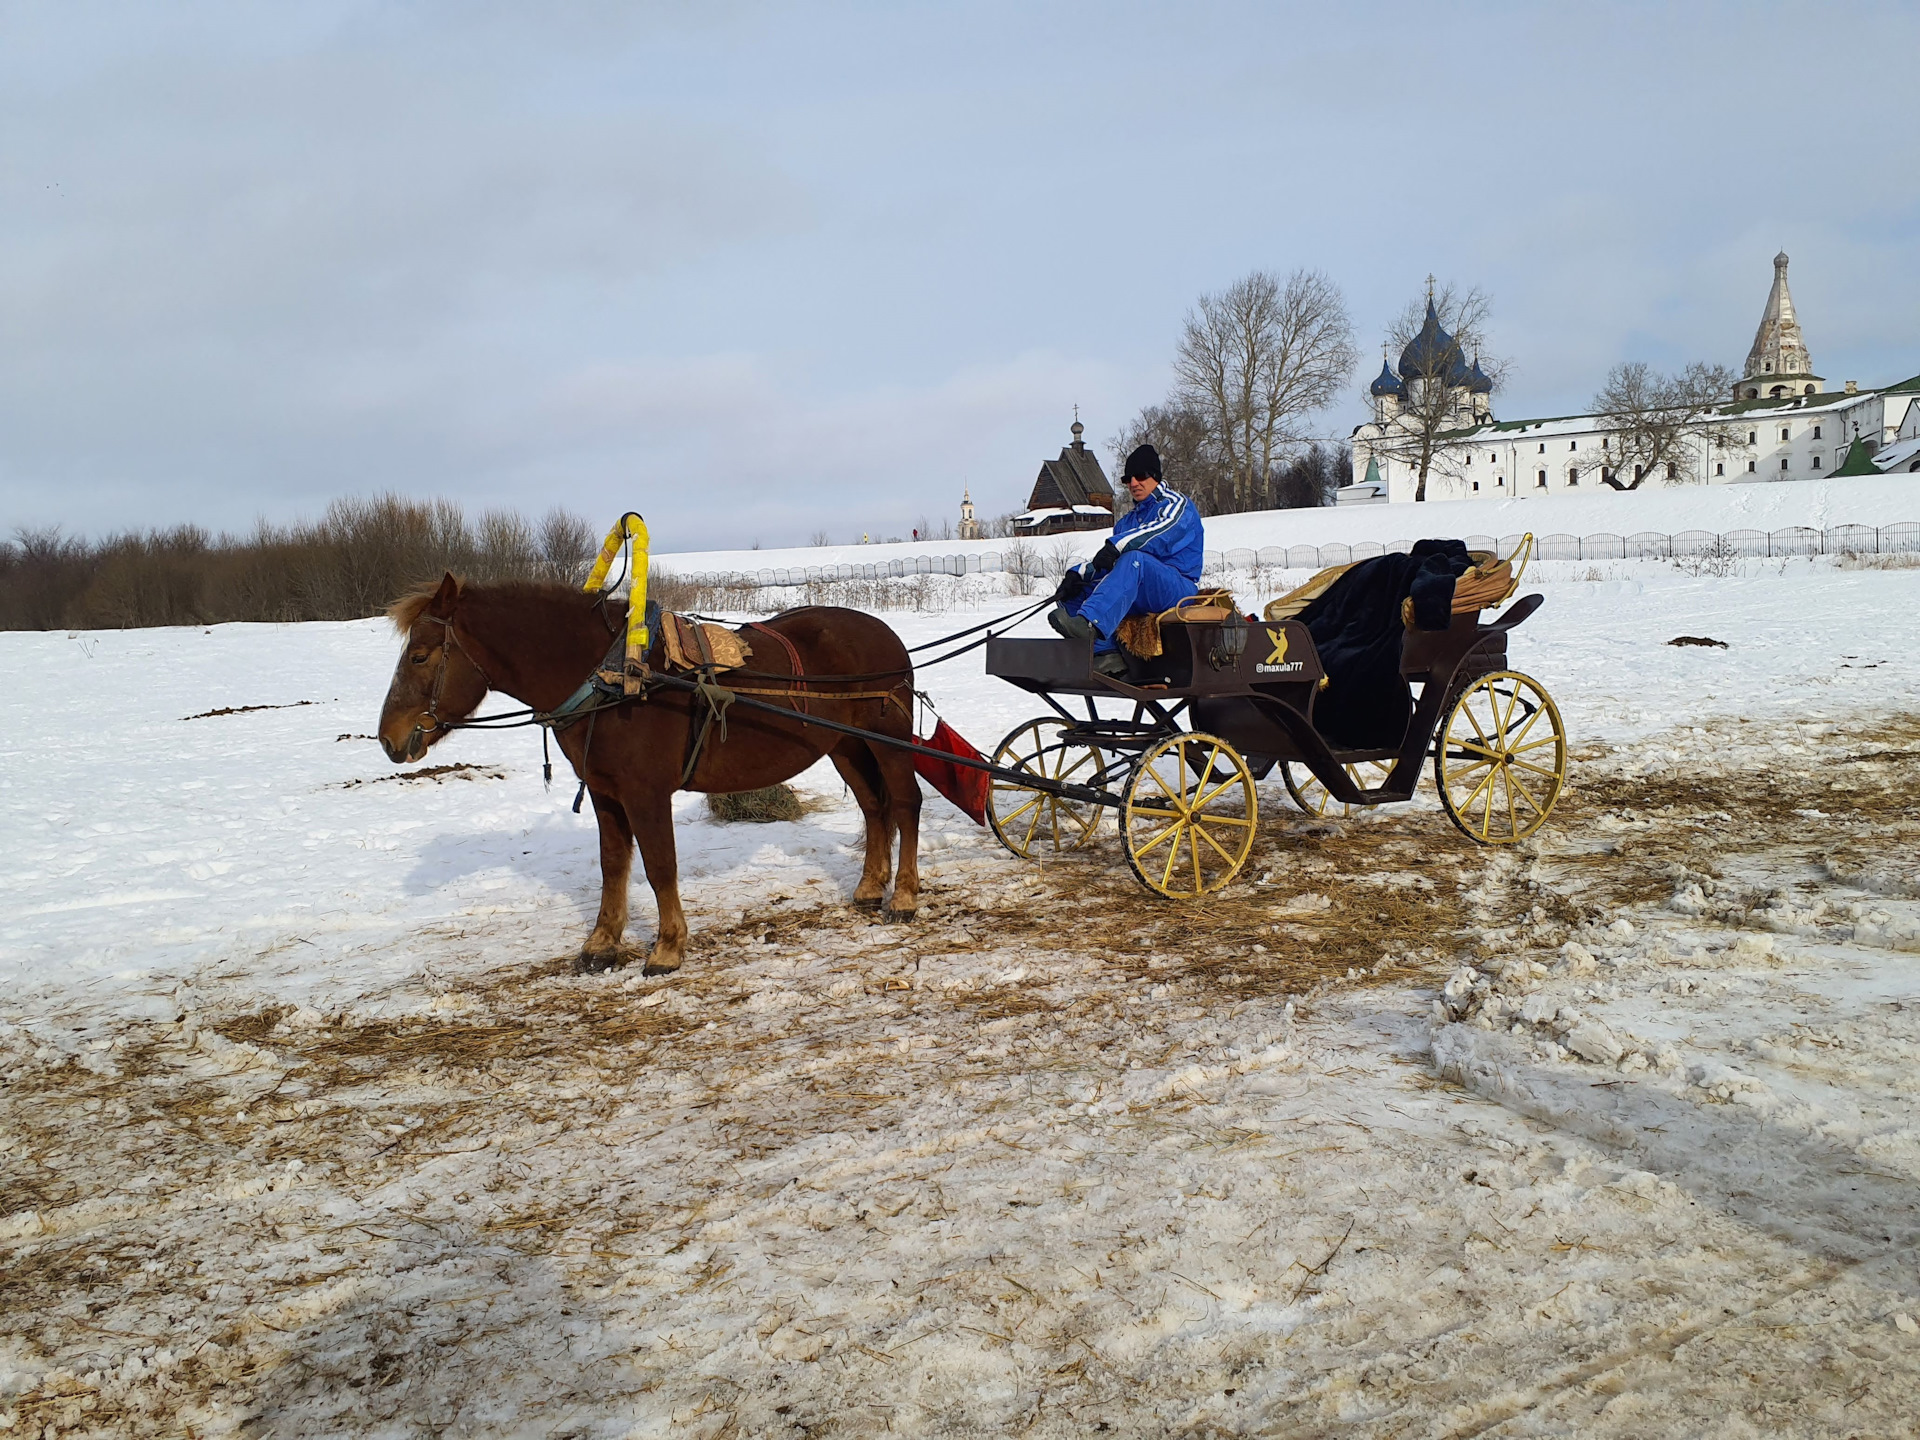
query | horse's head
[436, 681]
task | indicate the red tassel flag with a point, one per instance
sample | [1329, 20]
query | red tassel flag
[965, 787]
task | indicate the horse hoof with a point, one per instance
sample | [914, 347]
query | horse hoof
[872, 904]
[901, 917]
[597, 962]
[659, 967]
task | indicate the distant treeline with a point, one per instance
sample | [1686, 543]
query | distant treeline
[349, 564]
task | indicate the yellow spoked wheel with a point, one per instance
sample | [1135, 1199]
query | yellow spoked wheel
[1311, 796]
[1501, 759]
[1189, 816]
[1032, 823]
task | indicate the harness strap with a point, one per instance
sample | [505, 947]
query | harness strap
[893, 695]
[716, 698]
[606, 680]
[793, 656]
[585, 750]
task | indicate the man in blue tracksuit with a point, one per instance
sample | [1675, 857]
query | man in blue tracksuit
[1151, 564]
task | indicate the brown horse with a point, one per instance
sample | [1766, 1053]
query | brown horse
[538, 642]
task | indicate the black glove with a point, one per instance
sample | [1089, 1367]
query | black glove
[1105, 558]
[1072, 586]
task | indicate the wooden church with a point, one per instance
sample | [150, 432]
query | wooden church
[1071, 493]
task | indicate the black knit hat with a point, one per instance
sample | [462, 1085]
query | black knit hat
[1143, 464]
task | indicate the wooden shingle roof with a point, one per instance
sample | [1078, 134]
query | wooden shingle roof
[1074, 479]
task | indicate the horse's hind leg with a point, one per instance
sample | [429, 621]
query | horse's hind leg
[651, 817]
[902, 790]
[854, 760]
[602, 950]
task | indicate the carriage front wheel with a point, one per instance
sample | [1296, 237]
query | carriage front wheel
[1032, 823]
[1501, 758]
[1188, 816]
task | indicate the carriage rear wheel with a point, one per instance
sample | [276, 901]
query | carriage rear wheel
[1311, 796]
[1032, 823]
[1501, 758]
[1189, 815]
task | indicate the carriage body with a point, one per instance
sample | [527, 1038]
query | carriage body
[1225, 710]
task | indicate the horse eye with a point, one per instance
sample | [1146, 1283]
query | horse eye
[420, 658]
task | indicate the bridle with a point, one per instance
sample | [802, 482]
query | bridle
[448, 641]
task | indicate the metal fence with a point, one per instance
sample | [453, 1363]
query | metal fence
[1641, 545]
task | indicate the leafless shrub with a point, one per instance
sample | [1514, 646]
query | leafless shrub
[346, 565]
[1060, 558]
[1898, 560]
[1717, 559]
[567, 546]
[1021, 565]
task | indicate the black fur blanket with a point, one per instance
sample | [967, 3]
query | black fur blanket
[1357, 629]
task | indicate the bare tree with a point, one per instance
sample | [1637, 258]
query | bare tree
[1436, 399]
[821, 540]
[1656, 422]
[1310, 477]
[1060, 558]
[1255, 360]
[1188, 456]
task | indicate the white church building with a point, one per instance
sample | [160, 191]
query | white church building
[1781, 423]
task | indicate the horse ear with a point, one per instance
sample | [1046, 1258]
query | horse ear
[441, 605]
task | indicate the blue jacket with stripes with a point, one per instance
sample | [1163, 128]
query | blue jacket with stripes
[1167, 527]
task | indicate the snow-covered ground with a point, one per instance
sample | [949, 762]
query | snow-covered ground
[307, 1127]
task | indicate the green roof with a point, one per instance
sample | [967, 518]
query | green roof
[1858, 461]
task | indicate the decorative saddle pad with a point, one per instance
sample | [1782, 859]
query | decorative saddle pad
[690, 644]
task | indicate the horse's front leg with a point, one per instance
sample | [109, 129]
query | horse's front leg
[651, 818]
[602, 950]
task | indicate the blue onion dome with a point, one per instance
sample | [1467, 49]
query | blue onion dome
[1387, 384]
[1433, 354]
[1477, 380]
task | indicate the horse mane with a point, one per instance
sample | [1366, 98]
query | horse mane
[407, 610]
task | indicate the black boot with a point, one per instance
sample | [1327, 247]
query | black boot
[1074, 627]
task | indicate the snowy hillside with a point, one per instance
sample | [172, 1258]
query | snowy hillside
[307, 1127]
[1887, 500]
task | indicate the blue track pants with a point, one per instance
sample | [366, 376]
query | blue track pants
[1137, 585]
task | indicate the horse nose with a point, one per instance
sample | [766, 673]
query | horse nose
[394, 752]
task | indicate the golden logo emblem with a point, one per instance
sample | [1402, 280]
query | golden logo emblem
[1279, 639]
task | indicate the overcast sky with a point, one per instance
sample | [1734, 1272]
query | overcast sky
[761, 270]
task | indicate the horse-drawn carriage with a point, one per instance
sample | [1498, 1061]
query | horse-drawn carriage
[1185, 736]
[1209, 708]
